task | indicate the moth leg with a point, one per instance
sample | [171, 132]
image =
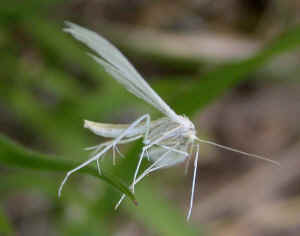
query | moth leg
[146, 172]
[135, 174]
[187, 165]
[151, 168]
[96, 157]
[174, 150]
[147, 153]
[128, 140]
[114, 155]
[163, 137]
[193, 184]
[104, 150]
[148, 125]
[92, 147]
[119, 152]
[98, 147]
[138, 167]
[116, 150]
[154, 166]
[145, 148]
[148, 120]
[123, 141]
[98, 167]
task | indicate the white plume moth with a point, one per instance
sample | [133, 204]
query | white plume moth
[167, 141]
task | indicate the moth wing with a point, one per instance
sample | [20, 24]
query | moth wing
[116, 64]
[113, 130]
[172, 158]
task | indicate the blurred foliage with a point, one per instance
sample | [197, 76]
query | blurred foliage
[5, 227]
[213, 84]
[48, 86]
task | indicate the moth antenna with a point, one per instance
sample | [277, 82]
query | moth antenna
[237, 151]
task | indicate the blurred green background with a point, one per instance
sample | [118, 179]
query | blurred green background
[232, 66]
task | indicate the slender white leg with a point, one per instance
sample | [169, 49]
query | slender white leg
[148, 124]
[187, 165]
[143, 151]
[147, 171]
[119, 152]
[123, 141]
[81, 166]
[120, 201]
[98, 167]
[98, 155]
[152, 167]
[92, 147]
[98, 147]
[164, 136]
[145, 148]
[114, 155]
[129, 140]
[193, 185]
[148, 156]
[174, 150]
[138, 167]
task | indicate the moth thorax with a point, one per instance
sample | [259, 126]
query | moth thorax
[188, 126]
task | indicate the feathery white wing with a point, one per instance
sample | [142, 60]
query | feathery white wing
[170, 158]
[116, 64]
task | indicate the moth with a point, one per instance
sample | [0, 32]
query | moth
[167, 141]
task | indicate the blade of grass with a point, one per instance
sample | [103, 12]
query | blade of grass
[13, 155]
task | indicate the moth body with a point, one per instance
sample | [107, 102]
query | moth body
[167, 141]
